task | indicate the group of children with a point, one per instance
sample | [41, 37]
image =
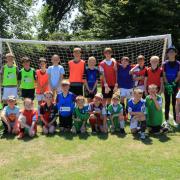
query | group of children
[139, 97]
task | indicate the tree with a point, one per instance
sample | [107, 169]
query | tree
[14, 18]
[112, 19]
[52, 16]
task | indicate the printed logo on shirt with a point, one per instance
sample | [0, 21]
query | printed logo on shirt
[65, 109]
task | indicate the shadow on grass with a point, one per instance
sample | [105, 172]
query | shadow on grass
[119, 135]
[66, 135]
[27, 138]
[8, 136]
[83, 136]
[102, 136]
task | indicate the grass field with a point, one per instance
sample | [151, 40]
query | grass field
[65, 156]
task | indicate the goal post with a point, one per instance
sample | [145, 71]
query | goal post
[131, 47]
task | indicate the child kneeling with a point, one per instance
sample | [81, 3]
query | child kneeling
[28, 119]
[48, 114]
[80, 116]
[115, 110]
[137, 110]
[97, 112]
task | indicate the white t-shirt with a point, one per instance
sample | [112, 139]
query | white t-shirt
[55, 72]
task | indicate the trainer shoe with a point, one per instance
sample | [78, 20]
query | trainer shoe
[175, 123]
[142, 136]
[112, 129]
[21, 135]
[122, 131]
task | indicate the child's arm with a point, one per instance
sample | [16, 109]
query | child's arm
[22, 121]
[145, 85]
[132, 70]
[86, 84]
[161, 86]
[5, 120]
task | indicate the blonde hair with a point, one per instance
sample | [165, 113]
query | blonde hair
[138, 90]
[79, 98]
[91, 58]
[156, 58]
[152, 86]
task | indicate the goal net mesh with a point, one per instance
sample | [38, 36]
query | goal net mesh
[147, 46]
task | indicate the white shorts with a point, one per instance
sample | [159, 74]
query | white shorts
[9, 91]
[133, 124]
[40, 97]
[126, 93]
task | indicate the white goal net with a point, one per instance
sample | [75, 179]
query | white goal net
[132, 47]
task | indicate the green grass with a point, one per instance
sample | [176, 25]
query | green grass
[65, 156]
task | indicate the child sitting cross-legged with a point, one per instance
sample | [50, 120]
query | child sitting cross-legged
[80, 115]
[115, 110]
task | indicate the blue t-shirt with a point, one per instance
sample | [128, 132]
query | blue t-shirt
[171, 69]
[66, 104]
[138, 107]
[92, 76]
[124, 79]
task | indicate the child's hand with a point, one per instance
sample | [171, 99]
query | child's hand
[107, 89]
[115, 87]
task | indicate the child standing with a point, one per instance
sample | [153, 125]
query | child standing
[137, 110]
[42, 81]
[115, 110]
[125, 81]
[27, 77]
[108, 70]
[55, 75]
[98, 120]
[28, 119]
[80, 115]
[154, 75]
[48, 113]
[65, 103]
[10, 116]
[76, 72]
[91, 80]
[9, 78]
[138, 72]
[171, 71]
[154, 110]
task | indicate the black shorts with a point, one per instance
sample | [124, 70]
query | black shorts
[65, 122]
[109, 95]
[28, 93]
[77, 89]
[89, 95]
